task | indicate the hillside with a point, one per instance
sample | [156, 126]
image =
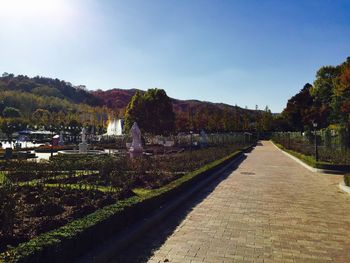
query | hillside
[60, 98]
[48, 87]
[119, 99]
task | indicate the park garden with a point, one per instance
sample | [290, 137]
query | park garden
[40, 197]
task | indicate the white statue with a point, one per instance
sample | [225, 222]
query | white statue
[83, 146]
[203, 140]
[83, 135]
[61, 141]
[136, 145]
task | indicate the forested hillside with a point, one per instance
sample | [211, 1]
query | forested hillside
[42, 100]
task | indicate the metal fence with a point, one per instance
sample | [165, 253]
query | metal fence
[326, 145]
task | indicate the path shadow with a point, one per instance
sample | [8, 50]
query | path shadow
[143, 249]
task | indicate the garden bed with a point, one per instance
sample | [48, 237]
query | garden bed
[37, 209]
[76, 237]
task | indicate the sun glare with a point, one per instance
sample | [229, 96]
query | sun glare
[36, 10]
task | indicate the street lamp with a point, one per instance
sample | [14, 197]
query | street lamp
[314, 124]
[51, 129]
[191, 133]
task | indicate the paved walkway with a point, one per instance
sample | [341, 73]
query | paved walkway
[270, 209]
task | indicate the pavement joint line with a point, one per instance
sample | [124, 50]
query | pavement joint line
[104, 252]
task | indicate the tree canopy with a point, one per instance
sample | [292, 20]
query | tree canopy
[153, 111]
[326, 102]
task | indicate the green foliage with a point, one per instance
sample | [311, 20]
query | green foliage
[9, 126]
[326, 102]
[57, 244]
[329, 158]
[298, 108]
[47, 92]
[10, 112]
[153, 112]
[8, 203]
[347, 179]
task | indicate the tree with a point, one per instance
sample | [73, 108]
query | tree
[9, 126]
[153, 112]
[298, 108]
[323, 94]
[42, 117]
[10, 112]
[341, 98]
[135, 111]
[266, 119]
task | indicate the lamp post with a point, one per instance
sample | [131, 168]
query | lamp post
[314, 124]
[51, 128]
[288, 140]
[191, 133]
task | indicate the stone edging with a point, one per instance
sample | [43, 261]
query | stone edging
[310, 168]
[110, 248]
[344, 188]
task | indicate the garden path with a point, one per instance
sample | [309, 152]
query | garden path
[270, 209]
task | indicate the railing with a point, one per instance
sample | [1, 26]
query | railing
[330, 147]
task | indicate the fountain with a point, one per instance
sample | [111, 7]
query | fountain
[136, 145]
[115, 127]
[83, 147]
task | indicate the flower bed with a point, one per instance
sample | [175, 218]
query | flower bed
[36, 210]
[82, 233]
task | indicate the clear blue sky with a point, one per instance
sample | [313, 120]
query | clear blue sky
[238, 52]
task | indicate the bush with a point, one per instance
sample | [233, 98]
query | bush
[347, 179]
[75, 238]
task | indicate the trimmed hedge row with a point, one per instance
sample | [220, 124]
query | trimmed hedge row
[347, 179]
[74, 239]
[310, 160]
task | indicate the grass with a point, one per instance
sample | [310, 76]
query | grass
[309, 160]
[141, 192]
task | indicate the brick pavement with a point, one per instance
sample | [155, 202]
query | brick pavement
[270, 209]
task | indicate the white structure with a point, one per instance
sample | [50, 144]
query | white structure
[61, 141]
[83, 146]
[203, 139]
[115, 127]
[136, 145]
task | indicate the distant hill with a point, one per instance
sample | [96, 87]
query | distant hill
[29, 95]
[114, 99]
[48, 87]
[119, 99]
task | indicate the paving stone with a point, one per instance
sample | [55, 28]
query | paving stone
[270, 209]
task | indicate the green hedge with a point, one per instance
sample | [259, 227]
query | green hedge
[77, 237]
[310, 160]
[347, 179]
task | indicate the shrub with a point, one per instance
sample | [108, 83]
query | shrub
[347, 179]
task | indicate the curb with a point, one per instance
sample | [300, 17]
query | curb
[111, 247]
[344, 188]
[310, 168]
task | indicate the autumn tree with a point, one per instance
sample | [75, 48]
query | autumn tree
[153, 111]
[297, 112]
